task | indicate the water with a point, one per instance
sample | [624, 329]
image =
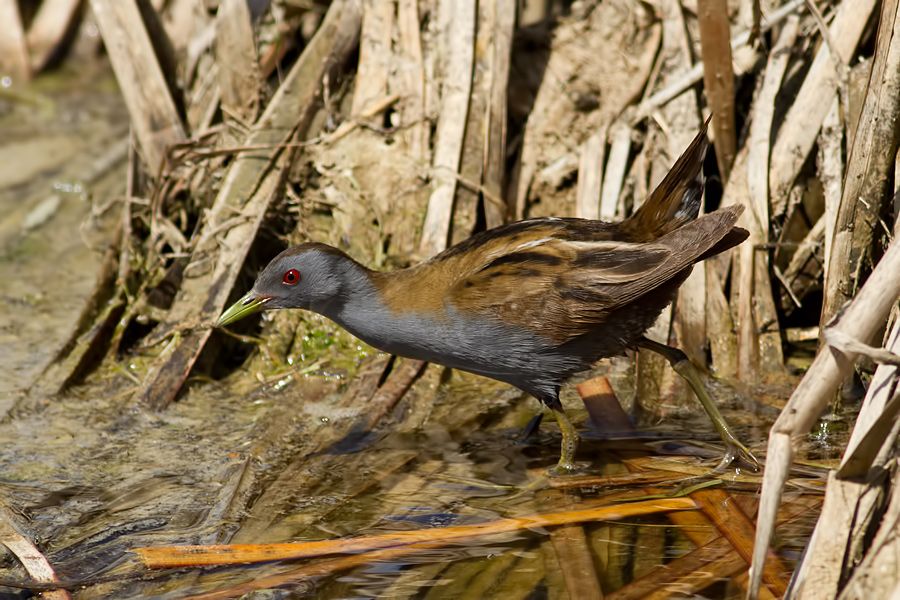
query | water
[98, 476]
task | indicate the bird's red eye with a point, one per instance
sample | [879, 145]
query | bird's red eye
[291, 277]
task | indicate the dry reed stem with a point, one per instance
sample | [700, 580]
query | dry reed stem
[694, 75]
[757, 349]
[472, 159]
[718, 77]
[240, 80]
[680, 121]
[869, 167]
[590, 175]
[36, 564]
[756, 309]
[451, 125]
[154, 117]
[803, 271]
[805, 116]
[862, 318]
[761, 129]
[876, 575]
[823, 564]
[493, 179]
[374, 54]
[180, 556]
[185, 21]
[850, 494]
[13, 47]
[831, 173]
[54, 21]
[720, 326]
[614, 174]
[410, 83]
[876, 417]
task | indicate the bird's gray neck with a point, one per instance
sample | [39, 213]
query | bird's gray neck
[359, 309]
[356, 306]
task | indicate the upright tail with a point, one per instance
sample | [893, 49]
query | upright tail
[676, 200]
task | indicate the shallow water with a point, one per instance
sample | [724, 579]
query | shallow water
[91, 475]
[62, 145]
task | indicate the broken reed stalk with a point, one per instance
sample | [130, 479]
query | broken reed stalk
[240, 80]
[801, 125]
[154, 117]
[759, 350]
[451, 125]
[35, 563]
[861, 319]
[182, 556]
[851, 492]
[869, 167]
[13, 47]
[718, 77]
[54, 21]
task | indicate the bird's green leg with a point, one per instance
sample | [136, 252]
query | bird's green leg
[566, 462]
[686, 369]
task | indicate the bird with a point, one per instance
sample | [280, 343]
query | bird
[530, 303]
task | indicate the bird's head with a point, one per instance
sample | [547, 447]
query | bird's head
[309, 276]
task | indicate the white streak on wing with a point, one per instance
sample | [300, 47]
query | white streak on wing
[605, 245]
[532, 244]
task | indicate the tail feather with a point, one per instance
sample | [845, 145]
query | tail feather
[676, 200]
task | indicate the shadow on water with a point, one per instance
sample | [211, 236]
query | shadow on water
[97, 479]
[91, 476]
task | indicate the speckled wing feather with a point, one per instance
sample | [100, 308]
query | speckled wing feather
[574, 283]
[523, 279]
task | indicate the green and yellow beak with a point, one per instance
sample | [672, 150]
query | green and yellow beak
[246, 306]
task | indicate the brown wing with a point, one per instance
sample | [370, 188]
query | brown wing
[530, 286]
[567, 288]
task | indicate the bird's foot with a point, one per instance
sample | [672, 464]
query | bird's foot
[737, 455]
[562, 468]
